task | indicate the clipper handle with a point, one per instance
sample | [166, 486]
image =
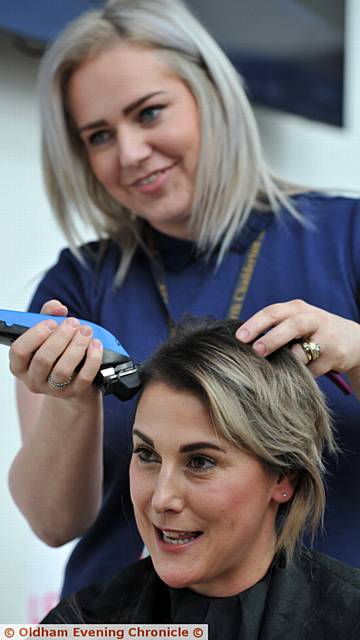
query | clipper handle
[117, 374]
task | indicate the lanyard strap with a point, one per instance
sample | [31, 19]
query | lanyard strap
[243, 282]
[240, 290]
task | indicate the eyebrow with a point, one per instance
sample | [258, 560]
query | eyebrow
[185, 448]
[129, 109]
[146, 439]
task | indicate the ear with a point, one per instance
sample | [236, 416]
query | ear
[284, 488]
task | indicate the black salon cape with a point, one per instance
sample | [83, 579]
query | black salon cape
[312, 597]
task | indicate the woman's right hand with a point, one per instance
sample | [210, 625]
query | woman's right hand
[48, 348]
[56, 477]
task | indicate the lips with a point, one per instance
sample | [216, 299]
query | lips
[150, 178]
[176, 537]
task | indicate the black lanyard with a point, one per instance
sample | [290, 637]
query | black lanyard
[239, 292]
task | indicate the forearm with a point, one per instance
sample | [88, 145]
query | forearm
[56, 478]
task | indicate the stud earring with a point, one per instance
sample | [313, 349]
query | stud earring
[284, 495]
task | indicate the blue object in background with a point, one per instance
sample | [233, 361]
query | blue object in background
[307, 82]
[41, 19]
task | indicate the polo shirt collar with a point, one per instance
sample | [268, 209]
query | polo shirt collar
[177, 254]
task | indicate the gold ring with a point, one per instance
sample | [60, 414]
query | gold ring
[312, 350]
[58, 385]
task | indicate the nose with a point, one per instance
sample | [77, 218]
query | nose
[133, 148]
[168, 494]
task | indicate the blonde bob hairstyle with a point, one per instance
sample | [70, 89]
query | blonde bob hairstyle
[269, 407]
[232, 176]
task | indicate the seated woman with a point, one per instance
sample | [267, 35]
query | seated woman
[226, 476]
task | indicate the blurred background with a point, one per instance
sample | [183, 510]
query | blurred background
[301, 64]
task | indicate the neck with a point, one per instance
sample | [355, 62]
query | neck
[253, 564]
[238, 584]
[175, 230]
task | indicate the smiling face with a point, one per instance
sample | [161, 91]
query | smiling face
[140, 127]
[205, 509]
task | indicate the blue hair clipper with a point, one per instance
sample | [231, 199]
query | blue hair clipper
[117, 374]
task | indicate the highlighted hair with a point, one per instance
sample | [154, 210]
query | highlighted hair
[232, 177]
[270, 407]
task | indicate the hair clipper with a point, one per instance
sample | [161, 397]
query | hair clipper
[117, 374]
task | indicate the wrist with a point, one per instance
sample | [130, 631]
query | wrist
[88, 403]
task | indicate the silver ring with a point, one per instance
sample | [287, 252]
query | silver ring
[312, 350]
[58, 385]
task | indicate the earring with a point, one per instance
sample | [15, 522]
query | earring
[284, 495]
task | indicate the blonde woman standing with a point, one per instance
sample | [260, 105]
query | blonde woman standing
[149, 137]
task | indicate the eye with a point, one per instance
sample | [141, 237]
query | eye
[201, 463]
[99, 137]
[149, 114]
[145, 454]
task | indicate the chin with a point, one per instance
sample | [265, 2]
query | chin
[175, 579]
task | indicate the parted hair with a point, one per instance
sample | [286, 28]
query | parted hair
[232, 176]
[269, 407]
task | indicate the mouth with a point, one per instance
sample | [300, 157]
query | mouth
[177, 538]
[151, 178]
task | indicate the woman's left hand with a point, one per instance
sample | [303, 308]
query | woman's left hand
[338, 338]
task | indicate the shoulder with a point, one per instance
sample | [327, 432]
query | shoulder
[330, 570]
[322, 217]
[110, 602]
[328, 228]
[85, 260]
[320, 572]
[314, 596]
[93, 255]
[116, 600]
[332, 591]
[319, 204]
[76, 277]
